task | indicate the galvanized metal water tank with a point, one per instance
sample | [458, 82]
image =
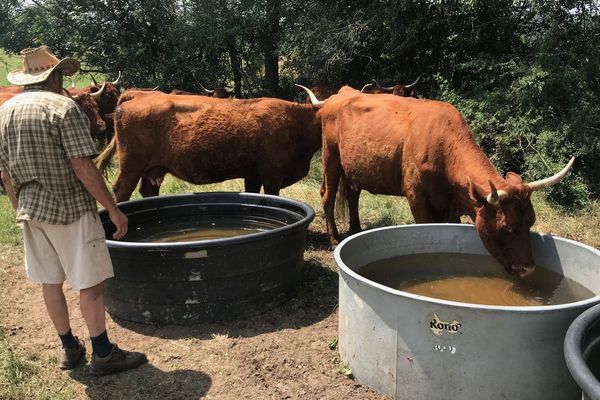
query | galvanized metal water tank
[488, 352]
[207, 280]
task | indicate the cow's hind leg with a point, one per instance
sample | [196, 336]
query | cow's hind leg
[151, 181]
[147, 189]
[332, 171]
[125, 185]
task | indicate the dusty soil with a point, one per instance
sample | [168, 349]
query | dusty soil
[282, 354]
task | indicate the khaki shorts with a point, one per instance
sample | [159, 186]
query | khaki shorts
[76, 252]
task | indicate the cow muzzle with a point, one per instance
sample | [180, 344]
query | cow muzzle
[101, 126]
[522, 270]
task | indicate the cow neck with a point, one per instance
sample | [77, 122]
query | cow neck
[471, 162]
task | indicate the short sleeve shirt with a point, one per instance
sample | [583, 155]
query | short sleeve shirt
[40, 132]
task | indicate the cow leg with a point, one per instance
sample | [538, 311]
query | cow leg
[352, 198]
[272, 188]
[420, 208]
[252, 185]
[332, 170]
[147, 189]
[151, 181]
[125, 185]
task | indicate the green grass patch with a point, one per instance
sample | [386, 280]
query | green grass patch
[25, 375]
[9, 232]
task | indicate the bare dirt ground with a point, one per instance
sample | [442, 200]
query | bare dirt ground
[282, 354]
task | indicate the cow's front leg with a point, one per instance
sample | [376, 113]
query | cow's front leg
[419, 206]
[352, 197]
[252, 184]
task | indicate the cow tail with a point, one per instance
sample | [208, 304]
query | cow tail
[341, 200]
[103, 160]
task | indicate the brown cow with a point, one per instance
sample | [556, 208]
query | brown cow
[86, 102]
[11, 89]
[424, 150]
[398, 90]
[268, 142]
[106, 102]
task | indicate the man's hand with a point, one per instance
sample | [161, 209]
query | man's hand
[120, 221]
[91, 178]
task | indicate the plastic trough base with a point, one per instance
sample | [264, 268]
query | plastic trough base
[189, 314]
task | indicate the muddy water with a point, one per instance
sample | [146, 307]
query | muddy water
[204, 227]
[191, 235]
[470, 278]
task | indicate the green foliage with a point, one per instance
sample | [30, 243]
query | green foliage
[525, 74]
[9, 232]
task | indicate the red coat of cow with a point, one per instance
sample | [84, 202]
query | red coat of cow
[106, 97]
[424, 150]
[86, 102]
[268, 142]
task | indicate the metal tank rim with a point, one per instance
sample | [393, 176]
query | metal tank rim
[517, 309]
[156, 246]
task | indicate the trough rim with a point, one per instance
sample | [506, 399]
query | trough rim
[343, 268]
[573, 351]
[187, 245]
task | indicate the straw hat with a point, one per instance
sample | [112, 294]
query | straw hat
[38, 64]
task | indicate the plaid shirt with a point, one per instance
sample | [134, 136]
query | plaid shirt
[40, 131]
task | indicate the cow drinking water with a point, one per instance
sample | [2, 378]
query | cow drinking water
[424, 150]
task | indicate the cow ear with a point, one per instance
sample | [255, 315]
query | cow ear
[477, 193]
[514, 179]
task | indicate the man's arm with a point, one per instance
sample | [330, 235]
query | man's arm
[10, 190]
[92, 180]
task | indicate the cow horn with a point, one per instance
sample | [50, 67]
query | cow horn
[116, 82]
[554, 179]
[365, 87]
[73, 83]
[93, 80]
[383, 87]
[415, 82]
[99, 92]
[495, 195]
[311, 95]
[155, 87]
[205, 90]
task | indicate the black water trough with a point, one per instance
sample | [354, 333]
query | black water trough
[183, 283]
[582, 352]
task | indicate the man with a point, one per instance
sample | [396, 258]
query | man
[45, 150]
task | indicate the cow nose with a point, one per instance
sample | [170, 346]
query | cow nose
[523, 270]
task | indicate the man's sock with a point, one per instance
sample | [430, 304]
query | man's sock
[68, 340]
[101, 346]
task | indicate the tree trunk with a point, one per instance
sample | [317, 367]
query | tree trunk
[236, 66]
[270, 47]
